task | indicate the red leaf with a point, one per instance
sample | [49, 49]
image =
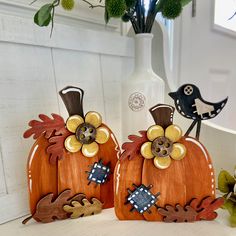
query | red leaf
[56, 149]
[206, 208]
[131, 148]
[178, 213]
[46, 125]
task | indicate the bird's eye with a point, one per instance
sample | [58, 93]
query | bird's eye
[188, 90]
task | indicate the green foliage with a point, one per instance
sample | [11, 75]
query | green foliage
[68, 4]
[44, 15]
[227, 185]
[232, 220]
[229, 206]
[130, 3]
[124, 9]
[225, 182]
[185, 2]
[116, 8]
[125, 17]
[171, 9]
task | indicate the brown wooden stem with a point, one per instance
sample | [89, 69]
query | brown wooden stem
[73, 100]
[25, 221]
[162, 115]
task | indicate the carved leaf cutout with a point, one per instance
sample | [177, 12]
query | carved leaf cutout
[178, 213]
[47, 125]
[56, 148]
[206, 208]
[195, 211]
[48, 210]
[85, 209]
[132, 148]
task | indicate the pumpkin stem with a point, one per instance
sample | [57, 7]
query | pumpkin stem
[73, 100]
[25, 221]
[162, 114]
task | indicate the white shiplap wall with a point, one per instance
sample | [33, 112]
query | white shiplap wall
[33, 68]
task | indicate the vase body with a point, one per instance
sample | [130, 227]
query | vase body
[142, 90]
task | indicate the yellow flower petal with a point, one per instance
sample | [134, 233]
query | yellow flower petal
[162, 162]
[73, 122]
[154, 132]
[72, 144]
[93, 118]
[102, 135]
[146, 150]
[173, 133]
[178, 152]
[90, 150]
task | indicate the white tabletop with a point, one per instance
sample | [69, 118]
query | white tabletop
[106, 224]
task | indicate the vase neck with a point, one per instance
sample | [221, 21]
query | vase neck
[143, 52]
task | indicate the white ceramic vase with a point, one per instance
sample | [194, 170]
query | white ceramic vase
[142, 90]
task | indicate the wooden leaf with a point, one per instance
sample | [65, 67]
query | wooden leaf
[48, 210]
[57, 149]
[206, 208]
[46, 125]
[85, 209]
[178, 213]
[131, 148]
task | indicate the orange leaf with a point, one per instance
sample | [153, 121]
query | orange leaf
[132, 148]
[47, 125]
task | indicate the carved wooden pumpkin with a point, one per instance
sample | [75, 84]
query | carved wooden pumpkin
[161, 168]
[79, 155]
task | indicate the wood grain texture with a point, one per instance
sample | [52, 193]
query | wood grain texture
[48, 209]
[192, 177]
[169, 182]
[84, 208]
[72, 172]
[126, 174]
[42, 177]
[109, 153]
[199, 170]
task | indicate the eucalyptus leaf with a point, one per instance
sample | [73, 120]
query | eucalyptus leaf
[225, 182]
[185, 2]
[229, 206]
[232, 219]
[43, 16]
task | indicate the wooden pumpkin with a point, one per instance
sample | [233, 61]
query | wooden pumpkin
[161, 169]
[79, 155]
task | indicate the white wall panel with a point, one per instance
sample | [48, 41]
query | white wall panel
[3, 189]
[34, 67]
[114, 70]
[82, 70]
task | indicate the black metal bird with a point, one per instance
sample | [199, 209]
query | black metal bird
[190, 104]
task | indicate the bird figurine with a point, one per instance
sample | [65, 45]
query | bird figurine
[190, 104]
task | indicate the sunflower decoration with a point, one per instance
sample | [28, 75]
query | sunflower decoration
[87, 134]
[163, 145]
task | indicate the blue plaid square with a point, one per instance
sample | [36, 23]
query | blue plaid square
[99, 173]
[142, 199]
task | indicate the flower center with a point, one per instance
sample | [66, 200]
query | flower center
[162, 147]
[86, 133]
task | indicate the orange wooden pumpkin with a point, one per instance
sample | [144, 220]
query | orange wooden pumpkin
[173, 169]
[65, 153]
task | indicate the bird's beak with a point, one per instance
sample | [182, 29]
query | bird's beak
[172, 95]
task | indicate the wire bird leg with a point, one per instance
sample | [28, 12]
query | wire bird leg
[191, 128]
[198, 129]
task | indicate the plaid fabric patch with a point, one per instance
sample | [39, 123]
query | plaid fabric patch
[142, 199]
[99, 173]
